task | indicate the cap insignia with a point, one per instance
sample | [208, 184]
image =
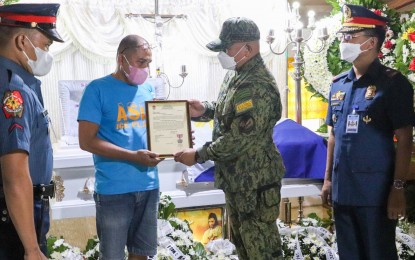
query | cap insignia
[347, 13]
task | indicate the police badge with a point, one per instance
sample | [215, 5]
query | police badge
[370, 92]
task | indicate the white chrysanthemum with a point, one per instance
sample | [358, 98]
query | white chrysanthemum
[56, 255]
[405, 53]
[315, 64]
[58, 243]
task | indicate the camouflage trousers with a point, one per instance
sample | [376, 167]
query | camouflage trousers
[253, 216]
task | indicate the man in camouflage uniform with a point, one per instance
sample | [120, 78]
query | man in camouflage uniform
[248, 166]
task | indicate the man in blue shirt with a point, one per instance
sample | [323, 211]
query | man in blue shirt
[112, 126]
[26, 32]
[369, 105]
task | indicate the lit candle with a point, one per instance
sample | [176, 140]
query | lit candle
[183, 68]
[296, 7]
[311, 20]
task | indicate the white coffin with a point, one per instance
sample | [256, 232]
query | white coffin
[75, 166]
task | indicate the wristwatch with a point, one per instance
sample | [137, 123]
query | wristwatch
[398, 184]
[197, 158]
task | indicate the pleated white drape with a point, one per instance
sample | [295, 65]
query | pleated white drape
[92, 30]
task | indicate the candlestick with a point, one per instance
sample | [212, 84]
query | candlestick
[299, 33]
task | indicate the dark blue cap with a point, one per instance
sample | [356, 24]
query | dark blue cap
[32, 16]
[357, 18]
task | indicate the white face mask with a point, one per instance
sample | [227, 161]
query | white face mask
[227, 61]
[43, 63]
[350, 51]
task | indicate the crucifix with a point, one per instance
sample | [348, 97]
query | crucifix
[158, 19]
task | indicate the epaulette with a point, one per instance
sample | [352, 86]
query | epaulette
[341, 75]
[390, 72]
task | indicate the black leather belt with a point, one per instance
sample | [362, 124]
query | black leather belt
[44, 190]
[39, 191]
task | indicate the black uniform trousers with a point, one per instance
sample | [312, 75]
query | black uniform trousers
[364, 233]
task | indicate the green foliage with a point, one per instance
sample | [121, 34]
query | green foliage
[50, 242]
[7, 2]
[166, 209]
[327, 223]
[322, 129]
[91, 248]
[366, 3]
[199, 249]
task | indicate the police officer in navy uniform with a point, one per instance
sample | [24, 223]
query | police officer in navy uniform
[26, 32]
[365, 176]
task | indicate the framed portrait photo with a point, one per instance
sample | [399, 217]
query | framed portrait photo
[207, 224]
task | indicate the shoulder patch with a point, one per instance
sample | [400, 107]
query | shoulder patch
[12, 104]
[341, 75]
[244, 106]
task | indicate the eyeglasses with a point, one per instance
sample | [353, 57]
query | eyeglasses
[348, 36]
[145, 46]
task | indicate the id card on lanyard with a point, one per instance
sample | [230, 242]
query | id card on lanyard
[352, 124]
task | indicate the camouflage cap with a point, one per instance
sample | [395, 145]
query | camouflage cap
[236, 29]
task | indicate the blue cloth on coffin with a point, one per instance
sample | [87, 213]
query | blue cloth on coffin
[303, 152]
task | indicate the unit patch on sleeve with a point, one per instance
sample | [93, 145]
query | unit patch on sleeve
[244, 106]
[12, 104]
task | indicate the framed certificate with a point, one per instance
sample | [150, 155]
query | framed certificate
[168, 126]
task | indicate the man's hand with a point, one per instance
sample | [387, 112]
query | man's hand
[34, 254]
[148, 158]
[396, 203]
[326, 194]
[196, 108]
[187, 156]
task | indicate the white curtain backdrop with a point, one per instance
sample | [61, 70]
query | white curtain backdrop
[92, 30]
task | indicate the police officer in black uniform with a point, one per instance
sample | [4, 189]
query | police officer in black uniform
[369, 105]
[26, 32]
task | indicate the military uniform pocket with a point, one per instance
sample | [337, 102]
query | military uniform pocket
[269, 202]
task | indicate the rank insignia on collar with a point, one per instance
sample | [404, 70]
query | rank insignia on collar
[339, 95]
[12, 104]
[370, 92]
[367, 119]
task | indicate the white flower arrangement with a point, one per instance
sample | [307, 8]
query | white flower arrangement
[60, 250]
[321, 68]
[405, 49]
[310, 239]
[316, 67]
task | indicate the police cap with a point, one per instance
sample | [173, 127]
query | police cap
[33, 16]
[236, 29]
[357, 18]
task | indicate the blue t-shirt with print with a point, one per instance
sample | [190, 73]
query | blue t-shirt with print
[119, 110]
